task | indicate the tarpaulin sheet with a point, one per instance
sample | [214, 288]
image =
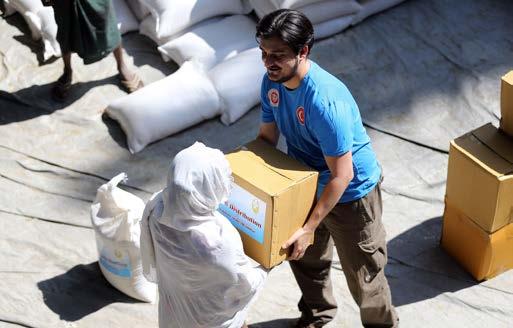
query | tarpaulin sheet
[423, 73]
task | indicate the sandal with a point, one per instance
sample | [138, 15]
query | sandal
[132, 85]
[61, 88]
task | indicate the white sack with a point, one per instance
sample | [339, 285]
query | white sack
[371, 7]
[262, 7]
[115, 216]
[331, 27]
[317, 12]
[293, 4]
[49, 33]
[8, 9]
[138, 8]
[327, 10]
[195, 254]
[28, 9]
[126, 19]
[167, 106]
[210, 44]
[174, 16]
[41, 21]
[148, 27]
[237, 81]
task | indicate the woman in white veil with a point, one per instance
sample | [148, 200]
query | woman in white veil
[193, 252]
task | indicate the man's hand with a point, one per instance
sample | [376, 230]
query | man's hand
[301, 239]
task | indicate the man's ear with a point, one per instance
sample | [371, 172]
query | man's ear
[303, 53]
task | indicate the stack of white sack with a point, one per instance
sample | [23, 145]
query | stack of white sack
[116, 216]
[237, 81]
[209, 44]
[190, 96]
[41, 22]
[127, 22]
[193, 252]
[327, 16]
[139, 9]
[169, 19]
[167, 106]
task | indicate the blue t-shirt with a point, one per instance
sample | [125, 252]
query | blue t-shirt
[321, 117]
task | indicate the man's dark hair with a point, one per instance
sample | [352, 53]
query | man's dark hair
[291, 26]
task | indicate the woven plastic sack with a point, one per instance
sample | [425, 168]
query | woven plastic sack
[115, 216]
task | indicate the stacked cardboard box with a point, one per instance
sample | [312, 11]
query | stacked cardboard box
[478, 217]
[271, 198]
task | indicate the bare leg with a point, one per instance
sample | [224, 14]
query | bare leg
[63, 84]
[124, 71]
[68, 71]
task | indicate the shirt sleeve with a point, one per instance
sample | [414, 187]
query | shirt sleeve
[267, 112]
[332, 124]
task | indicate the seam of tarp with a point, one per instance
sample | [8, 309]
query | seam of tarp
[46, 191]
[16, 323]
[47, 220]
[73, 170]
[423, 199]
[418, 143]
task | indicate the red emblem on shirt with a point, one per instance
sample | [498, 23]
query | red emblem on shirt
[274, 97]
[300, 113]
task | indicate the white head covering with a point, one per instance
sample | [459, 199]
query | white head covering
[199, 179]
[204, 277]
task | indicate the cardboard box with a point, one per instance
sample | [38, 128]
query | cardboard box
[271, 199]
[480, 177]
[507, 103]
[483, 255]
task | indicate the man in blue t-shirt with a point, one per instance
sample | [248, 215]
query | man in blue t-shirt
[321, 122]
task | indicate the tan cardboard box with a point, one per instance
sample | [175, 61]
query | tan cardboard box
[271, 199]
[483, 255]
[507, 103]
[480, 177]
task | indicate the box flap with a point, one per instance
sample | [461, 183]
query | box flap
[270, 170]
[490, 148]
[506, 122]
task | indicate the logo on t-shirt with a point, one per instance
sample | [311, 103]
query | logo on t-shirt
[300, 114]
[274, 97]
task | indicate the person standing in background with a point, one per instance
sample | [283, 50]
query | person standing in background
[89, 28]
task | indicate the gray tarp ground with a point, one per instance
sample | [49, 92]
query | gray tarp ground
[423, 73]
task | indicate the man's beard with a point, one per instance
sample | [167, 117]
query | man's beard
[291, 75]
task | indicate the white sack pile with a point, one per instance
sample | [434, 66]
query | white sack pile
[138, 8]
[328, 16]
[41, 22]
[237, 81]
[127, 22]
[167, 106]
[209, 44]
[116, 216]
[169, 18]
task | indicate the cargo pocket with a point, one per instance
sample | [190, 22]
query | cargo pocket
[373, 259]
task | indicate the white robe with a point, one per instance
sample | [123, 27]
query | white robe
[194, 253]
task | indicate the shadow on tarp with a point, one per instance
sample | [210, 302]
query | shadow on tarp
[79, 292]
[278, 323]
[419, 269]
[19, 105]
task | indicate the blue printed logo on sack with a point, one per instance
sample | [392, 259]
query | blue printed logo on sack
[116, 262]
